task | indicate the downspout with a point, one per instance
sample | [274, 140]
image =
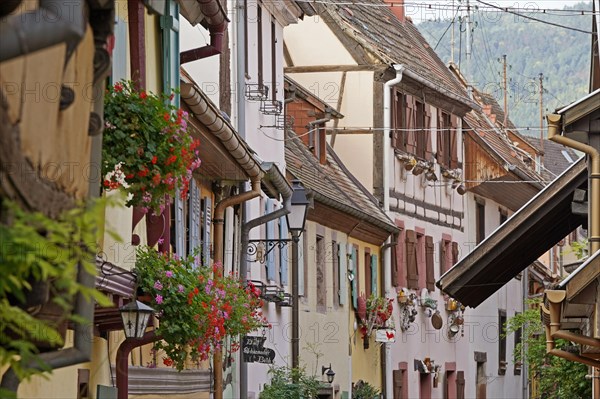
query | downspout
[53, 22]
[387, 256]
[311, 125]
[286, 192]
[218, 221]
[81, 350]
[217, 24]
[554, 134]
[122, 360]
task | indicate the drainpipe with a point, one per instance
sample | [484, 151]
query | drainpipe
[311, 125]
[217, 24]
[53, 22]
[286, 192]
[122, 361]
[554, 134]
[218, 256]
[387, 256]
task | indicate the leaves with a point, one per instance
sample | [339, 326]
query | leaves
[290, 383]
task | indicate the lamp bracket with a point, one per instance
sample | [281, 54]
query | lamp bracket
[269, 244]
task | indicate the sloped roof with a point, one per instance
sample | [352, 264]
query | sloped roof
[333, 185]
[372, 24]
[557, 158]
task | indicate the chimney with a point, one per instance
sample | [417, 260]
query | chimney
[397, 7]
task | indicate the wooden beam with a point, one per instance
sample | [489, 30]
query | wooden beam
[333, 68]
[137, 42]
[338, 105]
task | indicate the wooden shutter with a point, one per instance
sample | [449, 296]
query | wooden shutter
[301, 266]
[374, 264]
[397, 118]
[270, 263]
[410, 112]
[179, 225]
[343, 267]
[428, 149]
[283, 259]
[397, 382]
[454, 253]
[460, 385]
[194, 217]
[454, 143]
[206, 237]
[412, 270]
[443, 260]
[429, 271]
[440, 137]
[354, 264]
[401, 256]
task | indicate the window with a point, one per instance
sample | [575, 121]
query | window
[399, 261]
[321, 283]
[412, 126]
[503, 216]
[479, 220]
[368, 274]
[421, 265]
[399, 135]
[259, 44]
[501, 342]
[518, 337]
[273, 62]
[447, 140]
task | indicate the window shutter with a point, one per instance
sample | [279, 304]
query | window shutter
[460, 385]
[270, 263]
[397, 382]
[439, 155]
[179, 226]
[401, 257]
[343, 267]
[207, 211]
[454, 253]
[411, 260]
[411, 142]
[454, 143]
[443, 259]
[429, 271]
[283, 258]
[428, 149]
[301, 291]
[397, 120]
[374, 290]
[354, 266]
[194, 211]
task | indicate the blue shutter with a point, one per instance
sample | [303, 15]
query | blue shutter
[207, 211]
[119, 55]
[374, 275]
[283, 258]
[270, 236]
[354, 267]
[179, 226]
[194, 217]
[342, 270]
[169, 24]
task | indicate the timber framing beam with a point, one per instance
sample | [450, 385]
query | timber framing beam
[334, 68]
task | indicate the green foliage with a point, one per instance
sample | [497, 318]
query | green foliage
[580, 248]
[558, 377]
[562, 55]
[289, 383]
[364, 390]
[37, 253]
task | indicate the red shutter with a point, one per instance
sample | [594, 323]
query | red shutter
[454, 143]
[397, 382]
[411, 142]
[460, 385]
[400, 256]
[429, 272]
[396, 134]
[412, 270]
[454, 253]
[428, 149]
[443, 260]
[440, 137]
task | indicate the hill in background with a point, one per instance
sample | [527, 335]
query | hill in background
[562, 55]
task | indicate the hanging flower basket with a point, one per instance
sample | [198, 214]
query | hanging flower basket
[376, 314]
[147, 150]
[197, 306]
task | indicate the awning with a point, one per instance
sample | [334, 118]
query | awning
[530, 232]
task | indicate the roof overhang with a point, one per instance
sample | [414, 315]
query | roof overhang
[584, 276]
[530, 232]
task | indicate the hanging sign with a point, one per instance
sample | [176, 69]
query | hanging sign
[253, 350]
[385, 335]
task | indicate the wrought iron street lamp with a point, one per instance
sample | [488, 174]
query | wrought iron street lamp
[328, 372]
[296, 220]
[135, 316]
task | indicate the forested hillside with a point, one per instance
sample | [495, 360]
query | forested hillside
[561, 55]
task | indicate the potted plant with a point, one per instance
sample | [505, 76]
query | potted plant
[377, 313]
[197, 306]
[147, 149]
